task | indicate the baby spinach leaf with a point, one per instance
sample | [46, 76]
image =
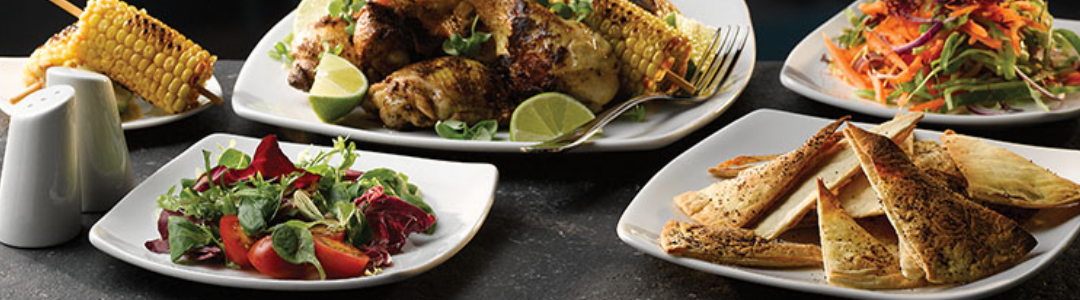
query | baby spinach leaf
[294, 243]
[185, 235]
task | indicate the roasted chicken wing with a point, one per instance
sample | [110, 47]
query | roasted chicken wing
[445, 88]
[382, 42]
[540, 51]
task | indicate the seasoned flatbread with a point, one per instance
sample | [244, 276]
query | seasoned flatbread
[1000, 176]
[934, 160]
[949, 237]
[859, 199]
[851, 255]
[738, 201]
[735, 246]
[836, 169]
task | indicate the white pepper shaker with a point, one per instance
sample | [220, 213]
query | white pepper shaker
[104, 164]
[39, 184]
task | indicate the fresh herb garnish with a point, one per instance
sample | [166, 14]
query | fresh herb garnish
[280, 52]
[344, 9]
[576, 10]
[458, 130]
[636, 114]
[470, 46]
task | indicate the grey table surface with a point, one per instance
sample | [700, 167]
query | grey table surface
[550, 233]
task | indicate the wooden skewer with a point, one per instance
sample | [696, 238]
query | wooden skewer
[30, 89]
[76, 11]
[679, 81]
[67, 6]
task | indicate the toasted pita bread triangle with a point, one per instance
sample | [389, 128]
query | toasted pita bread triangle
[852, 256]
[837, 168]
[1000, 176]
[950, 238]
[738, 201]
[735, 246]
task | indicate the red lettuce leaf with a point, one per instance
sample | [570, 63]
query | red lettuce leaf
[391, 219]
[268, 160]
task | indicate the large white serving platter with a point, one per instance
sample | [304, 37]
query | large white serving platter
[460, 193]
[11, 84]
[769, 131]
[806, 73]
[262, 94]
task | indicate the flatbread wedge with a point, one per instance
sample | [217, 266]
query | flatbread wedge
[735, 246]
[852, 256]
[949, 237]
[837, 168]
[1000, 176]
[738, 201]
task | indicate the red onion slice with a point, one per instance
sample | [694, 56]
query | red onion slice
[906, 48]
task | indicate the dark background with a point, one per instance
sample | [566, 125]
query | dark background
[231, 28]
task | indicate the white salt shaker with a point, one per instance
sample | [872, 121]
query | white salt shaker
[39, 187]
[104, 164]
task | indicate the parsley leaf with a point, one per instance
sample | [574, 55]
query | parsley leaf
[470, 46]
[458, 130]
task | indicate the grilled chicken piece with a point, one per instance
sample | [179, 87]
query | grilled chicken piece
[382, 42]
[439, 18]
[444, 88]
[734, 246]
[308, 44]
[944, 236]
[540, 51]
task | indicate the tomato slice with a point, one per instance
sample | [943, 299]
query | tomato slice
[337, 235]
[236, 242]
[264, 259]
[338, 259]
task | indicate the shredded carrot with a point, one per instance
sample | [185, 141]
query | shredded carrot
[879, 92]
[978, 33]
[875, 42]
[1073, 78]
[843, 63]
[1024, 5]
[873, 8]
[932, 105]
[1014, 36]
[909, 74]
[962, 11]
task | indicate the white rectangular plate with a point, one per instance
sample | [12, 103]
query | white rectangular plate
[805, 73]
[460, 193]
[769, 131]
[262, 94]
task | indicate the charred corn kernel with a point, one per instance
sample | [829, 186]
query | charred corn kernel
[142, 54]
[57, 51]
[644, 44]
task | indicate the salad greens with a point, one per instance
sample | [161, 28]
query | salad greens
[272, 197]
[458, 130]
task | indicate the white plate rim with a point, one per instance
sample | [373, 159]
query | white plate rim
[790, 78]
[97, 234]
[241, 95]
[625, 231]
[212, 85]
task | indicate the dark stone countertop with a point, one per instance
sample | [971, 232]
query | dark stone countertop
[550, 234]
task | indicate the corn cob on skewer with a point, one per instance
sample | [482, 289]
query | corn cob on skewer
[56, 52]
[133, 49]
[646, 46]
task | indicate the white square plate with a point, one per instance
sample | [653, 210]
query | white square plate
[11, 83]
[806, 73]
[460, 193]
[262, 94]
[769, 131]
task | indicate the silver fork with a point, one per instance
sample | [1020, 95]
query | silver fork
[719, 58]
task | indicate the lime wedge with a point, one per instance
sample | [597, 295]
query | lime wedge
[546, 116]
[310, 11]
[338, 88]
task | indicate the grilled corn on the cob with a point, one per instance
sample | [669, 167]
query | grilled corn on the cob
[56, 52]
[132, 48]
[701, 36]
[645, 45]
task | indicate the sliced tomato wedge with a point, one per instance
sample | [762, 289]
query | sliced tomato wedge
[338, 259]
[266, 260]
[236, 242]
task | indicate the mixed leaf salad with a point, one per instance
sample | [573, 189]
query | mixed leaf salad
[952, 56]
[291, 221]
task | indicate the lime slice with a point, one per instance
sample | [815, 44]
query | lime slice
[546, 116]
[338, 88]
[308, 12]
